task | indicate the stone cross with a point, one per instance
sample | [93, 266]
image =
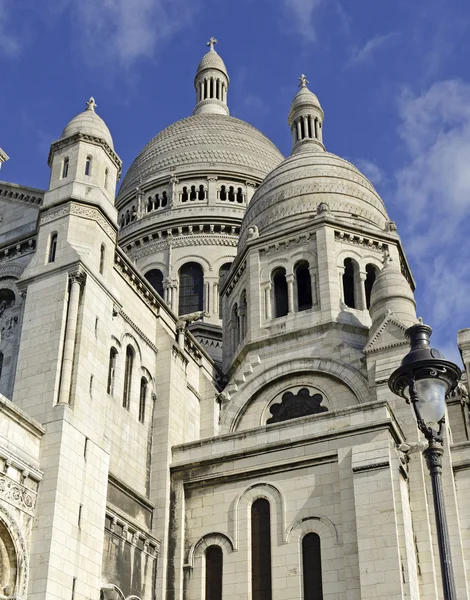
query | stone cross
[91, 104]
[211, 43]
[303, 81]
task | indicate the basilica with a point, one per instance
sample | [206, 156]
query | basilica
[194, 399]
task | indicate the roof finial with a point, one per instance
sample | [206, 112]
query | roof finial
[211, 43]
[91, 104]
[303, 81]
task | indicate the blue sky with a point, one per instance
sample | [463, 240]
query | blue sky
[392, 77]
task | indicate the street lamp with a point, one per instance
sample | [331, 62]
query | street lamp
[424, 379]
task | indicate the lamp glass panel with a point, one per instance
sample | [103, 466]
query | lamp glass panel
[431, 400]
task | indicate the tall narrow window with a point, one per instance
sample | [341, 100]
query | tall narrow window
[1, 364]
[223, 193]
[88, 165]
[111, 370]
[65, 167]
[126, 397]
[261, 586]
[281, 306]
[224, 269]
[102, 255]
[349, 282]
[311, 567]
[304, 285]
[155, 278]
[52, 247]
[371, 274]
[142, 399]
[106, 173]
[191, 288]
[214, 569]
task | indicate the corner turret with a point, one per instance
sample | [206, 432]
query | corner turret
[306, 120]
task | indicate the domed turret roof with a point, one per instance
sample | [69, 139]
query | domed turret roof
[291, 193]
[212, 60]
[392, 292]
[304, 97]
[88, 122]
[204, 143]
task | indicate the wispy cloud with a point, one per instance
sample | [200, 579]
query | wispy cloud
[124, 31]
[301, 13]
[367, 52]
[433, 192]
[9, 42]
[372, 171]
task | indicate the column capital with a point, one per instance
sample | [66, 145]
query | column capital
[78, 276]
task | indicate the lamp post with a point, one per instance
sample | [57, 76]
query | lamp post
[423, 379]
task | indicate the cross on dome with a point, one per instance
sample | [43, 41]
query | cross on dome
[91, 104]
[211, 43]
[303, 81]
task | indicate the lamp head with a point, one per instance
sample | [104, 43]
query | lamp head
[424, 377]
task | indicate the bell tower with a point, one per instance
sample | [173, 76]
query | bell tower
[211, 84]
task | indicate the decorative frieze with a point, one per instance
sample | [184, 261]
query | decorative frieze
[149, 247]
[17, 494]
[80, 210]
[359, 240]
[11, 191]
[26, 246]
[283, 245]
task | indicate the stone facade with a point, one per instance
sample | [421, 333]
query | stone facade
[213, 342]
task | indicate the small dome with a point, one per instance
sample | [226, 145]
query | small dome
[292, 192]
[391, 292]
[304, 97]
[88, 122]
[212, 60]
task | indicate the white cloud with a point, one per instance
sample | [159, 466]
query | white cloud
[301, 16]
[126, 30]
[433, 193]
[9, 43]
[372, 171]
[365, 54]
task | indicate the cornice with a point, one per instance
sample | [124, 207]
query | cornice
[26, 195]
[84, 137]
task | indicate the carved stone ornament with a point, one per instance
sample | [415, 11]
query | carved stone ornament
[17, 494]
[298, 405]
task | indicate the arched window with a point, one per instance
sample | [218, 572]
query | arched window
[111, 370]
[311, 567]
[223, 192]
[224, 269]
[128, 217]
[371, 274]
[240, 195]
[155, 278]
[242, 311]
[102, 255]
[193, 194]
[191, 288]
[149, 204]
[184, 195]
[106, 172]
[88, 165]
[156, 204]
[65, 167]
[235, 325]
[304, 285]
[214, 571]
[142, 399]
[202, 193]
[349, 277]
[281, 305]
[231, 194]
[261, 585]
[52, 247]
[126, 396]
[164, 199]
[1, 364]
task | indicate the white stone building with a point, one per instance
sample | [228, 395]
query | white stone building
[194, 374]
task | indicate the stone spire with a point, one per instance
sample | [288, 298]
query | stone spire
[306, 120]
[211, 84]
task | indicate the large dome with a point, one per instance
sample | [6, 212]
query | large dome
[204, 143]
[292, 192]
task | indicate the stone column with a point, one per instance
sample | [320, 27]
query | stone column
[76, 281]
[313, 284]
[290, 292]
[267, 301]
[299, 130]
[341, 284]
[361, 292]
[306, 129]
